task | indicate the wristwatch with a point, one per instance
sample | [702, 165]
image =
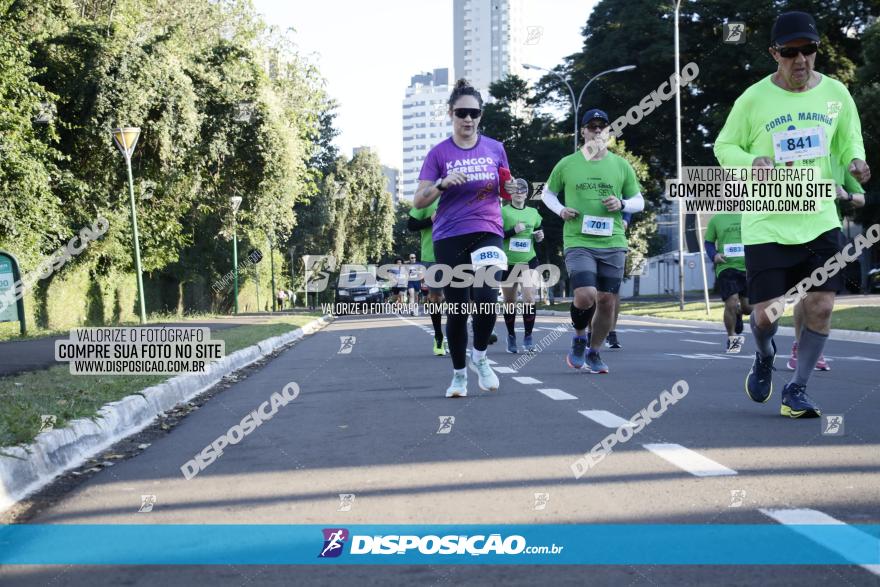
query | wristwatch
[622, 205]
[439, 184]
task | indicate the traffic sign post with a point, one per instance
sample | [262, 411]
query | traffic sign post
[11, 309]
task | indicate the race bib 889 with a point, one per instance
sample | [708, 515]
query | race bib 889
[488, 256]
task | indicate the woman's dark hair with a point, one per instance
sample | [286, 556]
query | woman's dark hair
[464, 88]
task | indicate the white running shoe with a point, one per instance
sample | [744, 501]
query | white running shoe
[735, 344]
[487, 380]
[458, 387]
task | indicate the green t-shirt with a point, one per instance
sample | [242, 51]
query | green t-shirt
[425, 233]
[724, 231]
[765, 109]
[523, 249]
[586, 184]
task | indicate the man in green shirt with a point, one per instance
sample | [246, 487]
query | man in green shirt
[421, 220]
[725, 249]
[767, 121]
[598, 185]
[522, 229]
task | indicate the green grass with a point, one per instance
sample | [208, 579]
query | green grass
[863, 318]
[26, 396]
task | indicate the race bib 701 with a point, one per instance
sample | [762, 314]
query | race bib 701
[597, 225]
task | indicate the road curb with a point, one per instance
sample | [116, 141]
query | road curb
[842, 335]
[26, 469]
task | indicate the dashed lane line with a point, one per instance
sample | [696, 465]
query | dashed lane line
[689, 460]
[527, 380]
[606, 418]
[557, 394]
[803, 521]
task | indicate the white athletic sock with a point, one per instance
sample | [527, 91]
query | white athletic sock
[477, 355]
[459, 372]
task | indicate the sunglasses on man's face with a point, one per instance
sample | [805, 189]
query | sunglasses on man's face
[790, 52]
[474, 113]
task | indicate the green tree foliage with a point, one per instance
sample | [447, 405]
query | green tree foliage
[226, 106]
[640, 32]
[404, 241]
[31, 217]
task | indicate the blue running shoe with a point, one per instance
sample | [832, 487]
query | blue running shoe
[759, 381]
[575, 358]
[511, 343]
[595, 364]
[797, 404]
[528, 344]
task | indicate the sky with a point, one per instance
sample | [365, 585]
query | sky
[367, 51]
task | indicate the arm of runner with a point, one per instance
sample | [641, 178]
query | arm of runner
[711, 251]
[635, 203]
[552, 201]
[626, 218]
[510, 232]
[416, 225]
[847, 144]
[730, 146]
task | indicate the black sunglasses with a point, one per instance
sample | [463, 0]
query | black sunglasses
[474, 113]
[805, 50]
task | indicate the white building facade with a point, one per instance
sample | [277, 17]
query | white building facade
[488, 40]
[426, 122]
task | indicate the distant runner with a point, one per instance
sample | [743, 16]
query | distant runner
[724, 247]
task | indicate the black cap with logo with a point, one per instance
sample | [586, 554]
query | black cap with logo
[793, 25]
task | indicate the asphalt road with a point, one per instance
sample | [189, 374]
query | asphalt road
[367, 421]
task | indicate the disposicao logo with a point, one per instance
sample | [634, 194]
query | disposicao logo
[334, 540]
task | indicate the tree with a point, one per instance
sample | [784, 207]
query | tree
[404, 241]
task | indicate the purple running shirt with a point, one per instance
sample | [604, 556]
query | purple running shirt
[473, 206]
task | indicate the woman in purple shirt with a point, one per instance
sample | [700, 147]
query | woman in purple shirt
[463, 172]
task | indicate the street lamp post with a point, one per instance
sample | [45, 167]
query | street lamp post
[235, 202]
[576, 103]
[126, 138]
[570, 91]
[272, 265]
[678, 164]
[681, 228]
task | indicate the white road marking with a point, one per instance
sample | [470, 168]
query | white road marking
[697, 356]
[556, 394]
[505, 370]
[490, 361]
[606, 419]
[688, 460]
[527, 380]
[800, 520]
[700, 341]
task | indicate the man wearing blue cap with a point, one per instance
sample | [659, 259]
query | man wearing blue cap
[794, 117]
[599, 187]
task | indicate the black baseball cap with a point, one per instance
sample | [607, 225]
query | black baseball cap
[793, 25]
[594, 113]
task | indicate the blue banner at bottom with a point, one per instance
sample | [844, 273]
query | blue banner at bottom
[618, 544]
